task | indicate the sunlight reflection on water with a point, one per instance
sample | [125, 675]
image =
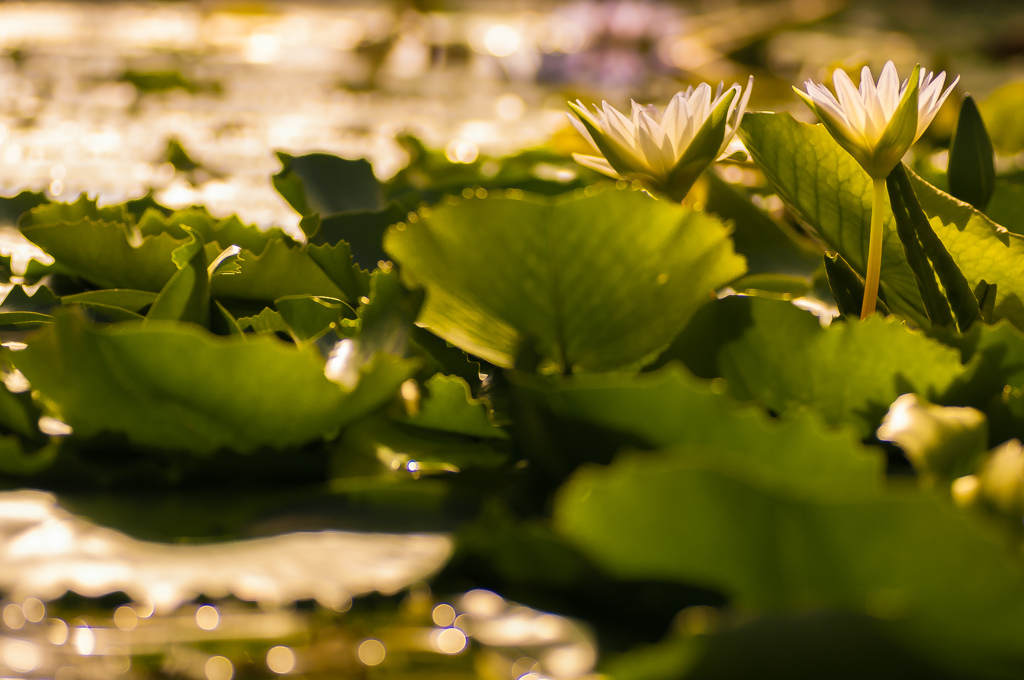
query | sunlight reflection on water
[245, 81]
[46, 551]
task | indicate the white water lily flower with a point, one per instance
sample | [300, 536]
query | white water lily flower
[878, 123]
[667, 150]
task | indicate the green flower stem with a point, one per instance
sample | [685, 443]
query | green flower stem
[874, 248]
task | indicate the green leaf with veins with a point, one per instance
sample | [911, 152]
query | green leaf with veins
[282, 269]
[780, 355]
[175, 386]
[100, 252]
[597, 283]
[826, 188]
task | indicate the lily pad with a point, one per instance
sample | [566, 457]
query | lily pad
[101, 252]
[308, 316]
[591, 413]
[780, 355]
[931, 578]
[326, 185]
[595, 283]
[449, 407]
[175, 386]
[130, 300]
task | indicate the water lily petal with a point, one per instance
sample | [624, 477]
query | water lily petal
[669, 150]
[582, 130]
[674, 119]
[620, 126]
[699, 104]
[889, 90]
[818, 97]
[596, 163]
[877, 123]
[649, 143]
[850, 101]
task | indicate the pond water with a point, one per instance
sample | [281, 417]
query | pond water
[191, 100]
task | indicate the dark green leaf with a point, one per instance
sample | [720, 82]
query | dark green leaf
[15, 461]
[336, 263]
[363, 231]
[267, 321]
[847, 286]
[325, 184]
[971, 169]
[42, 300]
[131, 300]
[176, 155]
[186, 297]
[13, 207]
[308, 316]
[222, 322]
[449, 407]
[769, 246]
[929, 259]
[670, 408]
